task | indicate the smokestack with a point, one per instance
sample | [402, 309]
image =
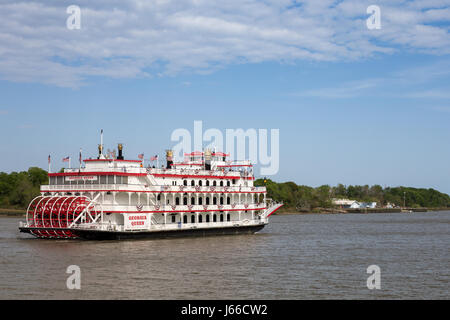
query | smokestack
[100, 151]
[169, 157]
[120, 147]
[207, 159]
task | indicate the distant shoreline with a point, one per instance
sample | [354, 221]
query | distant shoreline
[287, 211]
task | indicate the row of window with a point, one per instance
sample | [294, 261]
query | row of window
[74, 180]
[200, 200]
[200, 218]
[200, 183]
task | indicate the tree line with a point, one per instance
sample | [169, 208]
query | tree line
[307, 198]
[17, 189]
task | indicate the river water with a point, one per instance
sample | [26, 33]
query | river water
[295, 257]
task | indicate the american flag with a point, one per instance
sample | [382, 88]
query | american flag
[154, 158]
[66, 159]
[141, 156]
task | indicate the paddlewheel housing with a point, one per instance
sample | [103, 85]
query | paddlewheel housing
[55, 216]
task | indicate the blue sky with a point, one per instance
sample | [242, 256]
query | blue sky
[352, 107]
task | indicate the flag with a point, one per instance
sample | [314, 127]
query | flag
[66, 159]
[154, 158]
[141, 156]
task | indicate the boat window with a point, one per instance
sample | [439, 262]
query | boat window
[221, 200]
[207, 200]
[200, 200]
[215, 218]
[228, 200]
[185, 201]
[214, 200]
[228, 217]
[200, 218]
[207, 183]
[200, 182]
[207, 218]
[185, 182]
[177, 201]
[185, 219]
[228, 183]
[192, 183]
[214, 183]
[192, 219]
[221, 218]
[173, 218]
[221, 183]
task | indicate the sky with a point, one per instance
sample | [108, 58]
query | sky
[353, 105]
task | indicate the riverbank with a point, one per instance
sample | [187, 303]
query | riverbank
[288, 211]
[12, 212]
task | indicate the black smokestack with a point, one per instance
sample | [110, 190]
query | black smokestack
[120, 156]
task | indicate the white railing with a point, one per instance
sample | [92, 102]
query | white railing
[140, 187]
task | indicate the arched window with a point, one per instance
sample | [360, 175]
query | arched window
[221, 200]
[159, 197]
[192, 219]
[192, 183]
[185, 182]
[228, 183]
[185, 201]
[221, 183]
[200, 201]
[185, 219]
[221, 218]
[228, 217]
[214, 183]
[228, 200]
[207, 218]
[192, 200]
[177, 201]
[200, 218]
[200, 182]
[215, 217]
[173, 218]
[214, 200]
[207, 200]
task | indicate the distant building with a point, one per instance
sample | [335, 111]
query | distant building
[353, 204]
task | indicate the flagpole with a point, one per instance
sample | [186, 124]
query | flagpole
[69, 164]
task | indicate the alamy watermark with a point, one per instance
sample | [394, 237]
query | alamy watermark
[374, 280]
[74, 280]
[374, 21]
[74, 20]
[251, 144]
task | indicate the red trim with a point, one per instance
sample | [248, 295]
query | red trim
[81, 191]
[92, 160]
[274, 211]
[68, 174]
[187, 164]
[235, 165]
[161, 211]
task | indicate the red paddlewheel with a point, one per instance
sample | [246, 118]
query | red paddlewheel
[56, 212]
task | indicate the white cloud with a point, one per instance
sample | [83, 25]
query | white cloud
[140, 38]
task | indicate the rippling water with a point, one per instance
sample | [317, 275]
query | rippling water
[295, 257]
